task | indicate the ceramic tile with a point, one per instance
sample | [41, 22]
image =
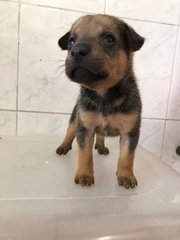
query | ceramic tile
[96, 6]
[40, 88]
[52, 124]
[8, 53]
[153, 66]
[42, 82]
[171, 142]
[10, 1]
[41, 123]
[7, 123]
[174, 103]
[160, 11]
[151, 137]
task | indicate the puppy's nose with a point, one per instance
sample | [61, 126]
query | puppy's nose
[80, 50]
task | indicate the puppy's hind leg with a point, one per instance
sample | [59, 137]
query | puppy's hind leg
[101, 148]
[66, 145]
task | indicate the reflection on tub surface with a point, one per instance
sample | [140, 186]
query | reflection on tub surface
[39, 200]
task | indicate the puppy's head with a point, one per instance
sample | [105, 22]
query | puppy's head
[100, 49]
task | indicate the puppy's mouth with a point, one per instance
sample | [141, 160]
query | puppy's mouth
[84, 75]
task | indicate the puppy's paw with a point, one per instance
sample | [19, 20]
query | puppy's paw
[63, 149]
[127, 181]
[101, 149]
[84, 179]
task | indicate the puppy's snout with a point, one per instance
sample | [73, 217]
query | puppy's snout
[80, 50]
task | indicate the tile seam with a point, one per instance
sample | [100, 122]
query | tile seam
[91, 12]
[17, 80]
[169, 94]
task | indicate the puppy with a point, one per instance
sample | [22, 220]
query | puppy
[100, 56]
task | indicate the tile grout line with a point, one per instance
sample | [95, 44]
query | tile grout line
[69, 113]
[169, 93]
[79, 11]
[17, 87]
[14, 1]
[150, 21]
[104, 6]
[65, 113]
[172, 72]
[57, 8]
[31, 111]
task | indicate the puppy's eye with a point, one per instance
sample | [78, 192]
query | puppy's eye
[71, 41]
[109, 39]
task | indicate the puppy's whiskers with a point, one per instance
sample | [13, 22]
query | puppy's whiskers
[62, 68]
[58, 60]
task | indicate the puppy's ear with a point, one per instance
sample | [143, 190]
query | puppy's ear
[63, 41]
[134, 40]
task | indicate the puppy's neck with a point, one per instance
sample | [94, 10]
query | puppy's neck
[103, 92]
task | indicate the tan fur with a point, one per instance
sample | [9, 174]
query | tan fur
[67, 143]
[124, 172]
[84, 174]
[115, 71]
[121, 122]
[99, 140]
[89, 119]
[96, 26]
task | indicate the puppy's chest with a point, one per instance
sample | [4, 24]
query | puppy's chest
[111, 125]
[104, 128]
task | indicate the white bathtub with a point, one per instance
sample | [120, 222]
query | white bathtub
[39, 200]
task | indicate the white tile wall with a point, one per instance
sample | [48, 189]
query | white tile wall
[8, 54]
[152, 135]
[92, 6]
[42, 82]
[174, 103]
[7, 123]
[45, 94]
[155, 10]
[153, 65]
[171, 142]
[41, 123]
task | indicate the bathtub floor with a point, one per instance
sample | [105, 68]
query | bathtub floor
[39, 200]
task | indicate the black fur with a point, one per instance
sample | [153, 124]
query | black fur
[134, 136]
[73, 114]
[132, 40]
[63, 41]
[81, 133]
[126, 91]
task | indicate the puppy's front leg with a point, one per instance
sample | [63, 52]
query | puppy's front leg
[85, 138]
[66, 145]
[125, 173]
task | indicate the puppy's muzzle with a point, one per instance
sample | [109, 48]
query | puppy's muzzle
[82, 66]
[79, 51]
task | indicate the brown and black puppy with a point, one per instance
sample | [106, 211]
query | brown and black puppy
[100, 53]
